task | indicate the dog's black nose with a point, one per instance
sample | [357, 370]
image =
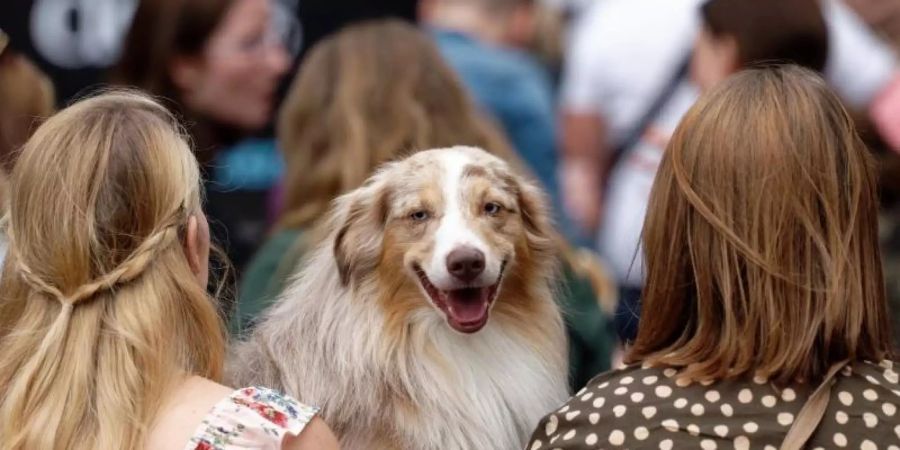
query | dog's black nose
[465, 263]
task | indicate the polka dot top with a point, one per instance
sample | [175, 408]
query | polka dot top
[651, 408]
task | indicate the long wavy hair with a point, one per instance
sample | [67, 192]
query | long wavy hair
[100, 313]
[374, 92]
[761, 237]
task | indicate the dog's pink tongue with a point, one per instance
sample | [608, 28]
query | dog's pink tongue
[468, 309]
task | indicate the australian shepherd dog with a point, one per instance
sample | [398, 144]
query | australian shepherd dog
[426, 319]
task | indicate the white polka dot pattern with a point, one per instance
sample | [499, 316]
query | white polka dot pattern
[788, 395]
[745, 396]
[840, 440]
[785, 419]
[697, 409]
[841, 417]
[693, 430]
[871, 420]
[617, 437]
[727, 410]
[663, 391]
[846, 398]
[648, 408]
[870, 395]
[641, 433]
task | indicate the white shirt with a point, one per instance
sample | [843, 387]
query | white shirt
[860, 64]
[621, 53]
[629, 190]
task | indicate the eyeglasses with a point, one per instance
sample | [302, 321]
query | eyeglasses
[285, 27]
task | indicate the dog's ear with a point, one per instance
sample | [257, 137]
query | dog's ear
[360, 220]
[535, 212]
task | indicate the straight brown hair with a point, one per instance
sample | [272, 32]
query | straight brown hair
[161, 31]
[766, 31]
[761, 238]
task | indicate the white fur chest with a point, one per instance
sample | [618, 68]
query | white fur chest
[484, 391]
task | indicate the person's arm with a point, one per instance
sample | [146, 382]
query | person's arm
[582, 135]
[582, 167]
[316, 436]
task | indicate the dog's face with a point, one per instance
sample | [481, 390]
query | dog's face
[441, 230]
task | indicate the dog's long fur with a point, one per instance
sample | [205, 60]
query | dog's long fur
[354, 335]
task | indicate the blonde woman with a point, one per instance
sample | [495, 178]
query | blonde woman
[766, 324]
[108, 339]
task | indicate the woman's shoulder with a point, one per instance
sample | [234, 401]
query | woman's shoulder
[875, 382]
[203, 415]
[602, 400]
[183, 410]
[251, 417]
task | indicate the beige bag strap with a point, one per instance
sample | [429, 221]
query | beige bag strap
[811, 414]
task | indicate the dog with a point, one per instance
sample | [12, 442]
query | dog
[426, 320]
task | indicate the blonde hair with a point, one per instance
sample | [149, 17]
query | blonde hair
[372, 93]
[761, 237]
[100, 312]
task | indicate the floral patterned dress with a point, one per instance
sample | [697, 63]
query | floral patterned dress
[253, 417]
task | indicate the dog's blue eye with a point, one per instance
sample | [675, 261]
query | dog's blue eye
[492, 208]
[419, 216]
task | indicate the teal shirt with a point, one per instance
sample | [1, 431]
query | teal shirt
[265, 277]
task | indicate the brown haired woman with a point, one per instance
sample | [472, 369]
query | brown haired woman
[26, 98]
[764, 280]
[108, 339]
[369, 94]
[218, 63]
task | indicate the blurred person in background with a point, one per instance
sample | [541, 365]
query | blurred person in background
[372, 93]
[26, 98]
[484, 41]
[218, 64]
[621, 59]
[882, 15]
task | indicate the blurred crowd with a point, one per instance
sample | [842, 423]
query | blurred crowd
[289, 104]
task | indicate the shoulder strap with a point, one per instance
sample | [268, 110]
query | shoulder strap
[635, 133]
[811, 414]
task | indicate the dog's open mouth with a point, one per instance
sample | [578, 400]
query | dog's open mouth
[467, 308]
